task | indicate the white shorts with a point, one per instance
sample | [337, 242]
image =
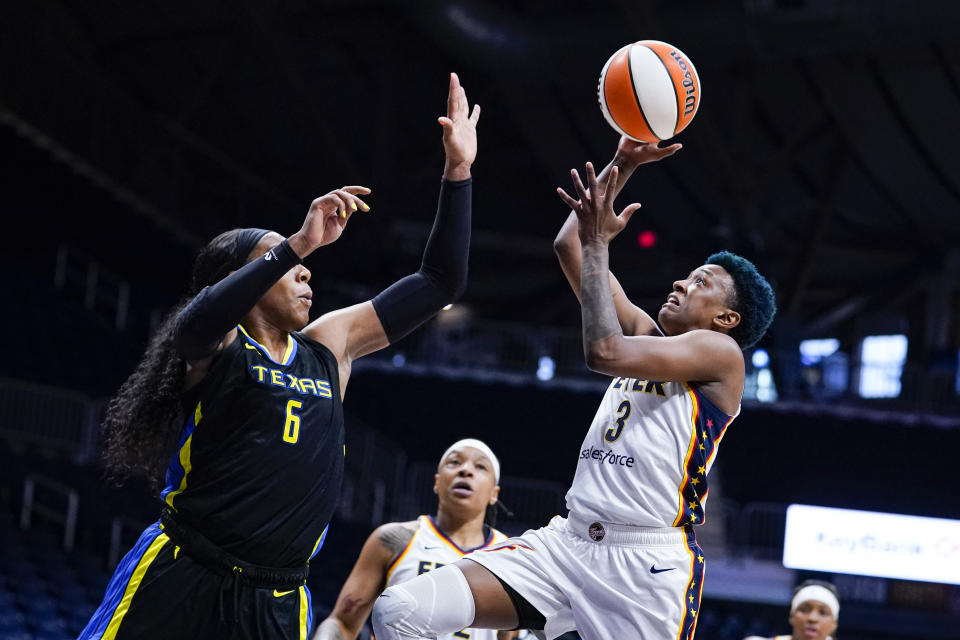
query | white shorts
[604, 580]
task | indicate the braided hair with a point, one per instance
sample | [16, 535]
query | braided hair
[144, 418]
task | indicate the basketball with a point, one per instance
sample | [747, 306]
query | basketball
[649, 91]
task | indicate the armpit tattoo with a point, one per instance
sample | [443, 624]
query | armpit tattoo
[396, 536]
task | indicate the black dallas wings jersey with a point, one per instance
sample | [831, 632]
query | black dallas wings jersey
[260, 460]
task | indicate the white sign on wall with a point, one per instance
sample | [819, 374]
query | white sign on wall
[867, 543]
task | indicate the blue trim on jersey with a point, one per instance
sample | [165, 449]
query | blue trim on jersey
[118, 584]
[175, 470]
[711, 424]
[323, 538]
[694, 592]
[455, 545]
[291, 345]
[309, 609]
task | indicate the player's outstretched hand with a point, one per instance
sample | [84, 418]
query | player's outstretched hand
[594, 208]
[633, 153]
[327, 218]
[459, 132]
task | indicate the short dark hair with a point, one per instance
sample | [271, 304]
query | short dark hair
[752, 298]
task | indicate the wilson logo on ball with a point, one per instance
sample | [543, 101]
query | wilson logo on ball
[649, 91]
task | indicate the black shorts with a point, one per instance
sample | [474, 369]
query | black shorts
[157, 591]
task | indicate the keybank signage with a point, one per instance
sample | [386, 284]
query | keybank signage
[886, 545]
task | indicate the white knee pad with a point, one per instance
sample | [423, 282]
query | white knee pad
[436, 602]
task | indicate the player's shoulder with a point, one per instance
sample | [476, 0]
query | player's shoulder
[395, 536]
[717, 340]
[313, 346]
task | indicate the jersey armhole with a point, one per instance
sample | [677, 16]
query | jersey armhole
[325, 354]
[708, 404]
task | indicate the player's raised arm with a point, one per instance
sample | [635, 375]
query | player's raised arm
[442, 277]
[207, 323]
[629, 155]
[365, 581]
[703, 356]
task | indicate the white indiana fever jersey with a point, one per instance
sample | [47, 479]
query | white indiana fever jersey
[430, 549]
[646, 456]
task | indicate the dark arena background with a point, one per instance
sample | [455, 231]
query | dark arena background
[825, 150]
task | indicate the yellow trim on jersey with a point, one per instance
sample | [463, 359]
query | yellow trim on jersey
[286, 353]
[396, 561]
[145, 561]
[185, 458]
[303, 613]
[686, 460]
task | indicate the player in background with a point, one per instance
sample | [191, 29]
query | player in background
[467, 488]
[624, 562]
[814, 612]
[248, 395]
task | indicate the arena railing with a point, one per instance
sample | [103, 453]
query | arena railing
[43, 503]
[757, 529]
[64, 421]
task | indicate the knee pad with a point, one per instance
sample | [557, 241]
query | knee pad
[434, 603]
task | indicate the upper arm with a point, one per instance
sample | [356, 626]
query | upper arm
[633, 320]
[349, 333]
[696, 356]
[197, 369]
[364, 584]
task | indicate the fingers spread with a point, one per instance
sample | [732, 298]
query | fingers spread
[611, 178]
[628, 212]
[570, 202]
[591, 179]
[578, 186]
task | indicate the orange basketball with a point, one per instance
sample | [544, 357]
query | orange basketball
[649, 91]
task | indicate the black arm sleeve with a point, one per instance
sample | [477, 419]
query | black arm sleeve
[442, 277]
[201, 324]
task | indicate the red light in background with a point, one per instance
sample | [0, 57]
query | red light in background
[647, 238]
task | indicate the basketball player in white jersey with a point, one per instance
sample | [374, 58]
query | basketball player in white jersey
[624, 563]
[814, 611]
[466, 485]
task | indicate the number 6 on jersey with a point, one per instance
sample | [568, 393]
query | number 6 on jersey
[291, 427]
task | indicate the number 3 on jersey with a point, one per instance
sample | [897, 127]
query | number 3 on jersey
[623, 412]
[291, 427]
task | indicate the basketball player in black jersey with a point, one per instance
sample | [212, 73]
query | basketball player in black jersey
[253, 394]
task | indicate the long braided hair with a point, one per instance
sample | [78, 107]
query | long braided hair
[144, 418]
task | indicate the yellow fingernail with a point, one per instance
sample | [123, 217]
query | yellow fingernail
[354, 205]
[344, 214]
[366, 207]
